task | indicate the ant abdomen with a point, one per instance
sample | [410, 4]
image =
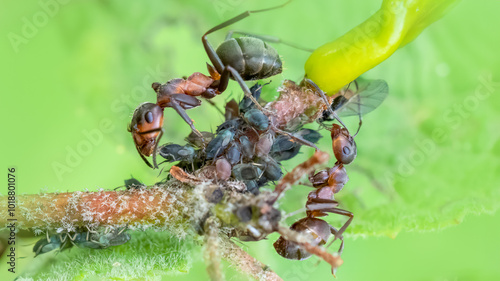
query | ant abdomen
[317, 229]
[251, 57]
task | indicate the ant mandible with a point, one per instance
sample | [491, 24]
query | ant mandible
[241, 59]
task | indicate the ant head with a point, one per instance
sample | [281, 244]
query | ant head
[343, 144]
[146, 125]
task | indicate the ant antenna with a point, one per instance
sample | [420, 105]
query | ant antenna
[328, 106]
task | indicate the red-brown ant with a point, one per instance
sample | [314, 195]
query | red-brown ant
[241, 59]
[321, 201]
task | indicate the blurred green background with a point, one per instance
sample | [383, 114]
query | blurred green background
[72, 72]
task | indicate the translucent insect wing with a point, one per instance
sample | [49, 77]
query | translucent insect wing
[368, 96]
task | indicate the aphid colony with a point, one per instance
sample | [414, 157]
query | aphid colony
[245, 147]
[83, 239]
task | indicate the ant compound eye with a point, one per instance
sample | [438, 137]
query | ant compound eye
[149, 117]
[346, 150]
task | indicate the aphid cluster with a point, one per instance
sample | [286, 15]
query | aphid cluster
[90, 239]
[245, 147]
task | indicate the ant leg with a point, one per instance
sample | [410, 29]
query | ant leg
[212, 55]
[346, 224]
[326, 205]
[180, 110]
[334, 232]
[62, 239]
[224, 80]
[359, 125]
[66, 242]
[268, 38]
[72, 239]
[323, 96]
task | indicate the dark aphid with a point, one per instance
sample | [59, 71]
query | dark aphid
[247, 104]
[175, 152]
[101, 240]
[187, 153]
[219, 143]
[285, 148]
[232, 124]
[214, 194]
[310, 135]
[257, 119]
[115, 238]
[272, 170]
[133, 183]
[244, 213]
[246, 172]
[262, 181]
[169, 151]
[252, 186]
[233, 153]
[247, 147]
[56, 241]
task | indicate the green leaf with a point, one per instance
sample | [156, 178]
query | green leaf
[148, 255]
